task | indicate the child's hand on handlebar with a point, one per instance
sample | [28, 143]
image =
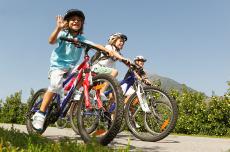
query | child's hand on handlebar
[146, 81]
[75, 40]
[126, 61]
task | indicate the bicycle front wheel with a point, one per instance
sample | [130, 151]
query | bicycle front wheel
[156, 124]
[108, 119]
[34, 106]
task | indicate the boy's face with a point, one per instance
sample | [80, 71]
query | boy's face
[140, 63]
[119, 43]
[75, 23]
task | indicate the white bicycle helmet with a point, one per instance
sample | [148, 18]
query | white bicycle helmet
[139, 57]
[115, 36]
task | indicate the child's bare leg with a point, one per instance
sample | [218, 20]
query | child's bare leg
[114, 73]
[46, 100]
[126, 99]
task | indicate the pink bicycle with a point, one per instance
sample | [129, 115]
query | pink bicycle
[94, 115]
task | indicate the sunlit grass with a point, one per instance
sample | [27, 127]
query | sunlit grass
[14, 140]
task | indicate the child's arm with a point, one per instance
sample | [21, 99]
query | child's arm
[110, 52]
[146, 80]
[137, 75]
[60, 25]
[143, 77]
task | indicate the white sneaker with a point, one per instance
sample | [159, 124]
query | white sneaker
[77, 95]
[38, 121]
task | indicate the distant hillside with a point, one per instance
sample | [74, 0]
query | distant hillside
[167, 83]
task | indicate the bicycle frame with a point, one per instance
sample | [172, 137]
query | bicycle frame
[81, 76]
[131, 80]
[77, 80]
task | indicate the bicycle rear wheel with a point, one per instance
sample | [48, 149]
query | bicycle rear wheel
[73, 120]
[61, 123]
[107, 119]
[157, 124]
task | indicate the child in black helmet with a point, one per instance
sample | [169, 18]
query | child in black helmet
[64, 57]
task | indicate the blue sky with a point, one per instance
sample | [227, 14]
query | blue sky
[185, 40]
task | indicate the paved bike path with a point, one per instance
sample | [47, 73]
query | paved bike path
[172, 143]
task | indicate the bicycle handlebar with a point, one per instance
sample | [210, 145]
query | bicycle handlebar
[80, 43]
[74, 41]
[83, 44]
[130, 64]
[135, 67]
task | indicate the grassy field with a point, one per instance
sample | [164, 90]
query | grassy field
[14, 140]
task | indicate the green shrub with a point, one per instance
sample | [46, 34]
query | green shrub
[13, 110]
[199, 114]
[192, 111]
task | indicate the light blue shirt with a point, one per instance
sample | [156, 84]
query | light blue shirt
[66, 55]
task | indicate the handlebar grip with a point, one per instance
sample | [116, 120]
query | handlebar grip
[124, 61]
[129, 64]
[146, 83]
[74, 41]
[66, 39]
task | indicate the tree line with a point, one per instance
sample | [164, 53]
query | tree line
[198, 114]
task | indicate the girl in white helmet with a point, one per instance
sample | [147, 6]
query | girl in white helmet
[106, 64]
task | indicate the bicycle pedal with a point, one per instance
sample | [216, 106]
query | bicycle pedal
[99, 132]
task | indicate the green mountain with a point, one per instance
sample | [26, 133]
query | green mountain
[167, 83]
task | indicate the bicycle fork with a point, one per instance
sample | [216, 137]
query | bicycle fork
[141, 96]
[87, 82]
[86, 85]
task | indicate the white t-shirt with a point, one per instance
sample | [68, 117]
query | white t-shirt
[107, 62]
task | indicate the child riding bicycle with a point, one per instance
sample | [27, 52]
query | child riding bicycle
[64, 57]
[103, 63]
[139, 73]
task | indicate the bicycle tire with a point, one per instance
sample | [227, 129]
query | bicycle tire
[150, 135]
[30, 113]
[123, 125]
[61, 125]
[73, 122]
[117, 120]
